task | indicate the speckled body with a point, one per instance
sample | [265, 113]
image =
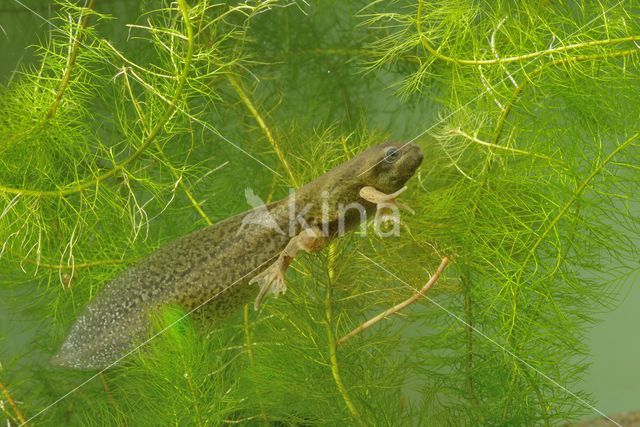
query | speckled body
[212, 267]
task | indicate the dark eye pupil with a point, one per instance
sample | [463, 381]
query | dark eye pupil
[391, 154]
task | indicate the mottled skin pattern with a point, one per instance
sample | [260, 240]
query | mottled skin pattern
[212, 267]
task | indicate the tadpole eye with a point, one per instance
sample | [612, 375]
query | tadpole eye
[391, 154]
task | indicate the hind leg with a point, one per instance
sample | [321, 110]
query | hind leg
[272, 280]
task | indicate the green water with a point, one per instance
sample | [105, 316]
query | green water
[613, 377]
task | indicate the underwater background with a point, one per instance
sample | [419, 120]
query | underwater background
[527, 112]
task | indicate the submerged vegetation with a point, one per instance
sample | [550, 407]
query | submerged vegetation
[127, 133]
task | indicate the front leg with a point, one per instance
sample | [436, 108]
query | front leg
[271, 280]
[386, 204]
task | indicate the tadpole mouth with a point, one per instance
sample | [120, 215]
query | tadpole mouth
[414, 155]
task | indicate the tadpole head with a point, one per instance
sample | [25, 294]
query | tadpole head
[388, 166]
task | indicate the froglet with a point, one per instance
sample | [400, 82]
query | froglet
[219, 266]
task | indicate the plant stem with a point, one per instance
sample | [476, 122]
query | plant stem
[51, 266]
[71, 60]
[237, 86]
[596, 171]
[468, 314]
[194, 397]
[247, 336]
[66, 77]
[249, 348]
[107, 389]
[528, 78]
[477, 140]
[333, 358]
[146, 141]
[13, 405]
[136, 105]
[517, 58]
[396, 308]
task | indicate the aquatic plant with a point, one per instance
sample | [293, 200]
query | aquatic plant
[129, 131]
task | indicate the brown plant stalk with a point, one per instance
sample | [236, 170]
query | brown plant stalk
[396, 308]
[13, 405]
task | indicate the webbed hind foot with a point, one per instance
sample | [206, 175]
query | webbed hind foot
[271, 280]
